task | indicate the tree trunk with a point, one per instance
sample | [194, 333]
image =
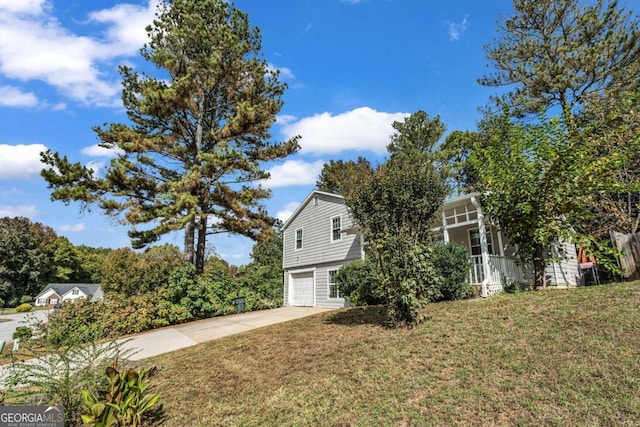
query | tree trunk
[202, 243]
[539, 265]
[189, 237]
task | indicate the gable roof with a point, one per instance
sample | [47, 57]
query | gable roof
[63, 288]
[306, 202]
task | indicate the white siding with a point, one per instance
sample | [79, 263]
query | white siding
[564, 273]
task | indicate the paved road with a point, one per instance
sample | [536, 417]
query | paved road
[18, 319]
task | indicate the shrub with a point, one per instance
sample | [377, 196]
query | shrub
[26, 299]
[23, 308]
[360, 284]
[124, 402]
[81, 321]
[23, 333]
[451, 263]
[514, 287]
[60, 375]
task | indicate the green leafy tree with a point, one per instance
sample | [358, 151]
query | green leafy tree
[66, 261]
[395, 209]
[26, 257]
[453, 155]
[614, 122]
[342, 177]
[559, 52]
[539, 181]
[418, 132]
[91, 261]
[197, 137]
[263, 277]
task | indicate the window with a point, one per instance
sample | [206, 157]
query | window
[42, 301]
[299, 238]
[334, 291]
[75, 292]
[336, 228]
[474, 242]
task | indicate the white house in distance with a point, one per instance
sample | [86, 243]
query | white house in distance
[55, 293]
[320, 237]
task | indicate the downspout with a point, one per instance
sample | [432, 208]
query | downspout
[484, 249]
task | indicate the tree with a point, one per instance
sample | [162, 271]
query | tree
[453, 155]
[557, 53]
[26, 257]
[417, 133]
[91, 261]
[340, 177]
[198, 134]
[396, 209]
[539, 181]
[66, 261]
[613, 121]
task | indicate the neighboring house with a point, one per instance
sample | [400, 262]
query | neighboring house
[320, 237]
[55, 293]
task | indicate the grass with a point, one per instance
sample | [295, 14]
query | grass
[557, 358]
[12, 310]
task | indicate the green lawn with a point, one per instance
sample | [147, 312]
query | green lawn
[545, 358]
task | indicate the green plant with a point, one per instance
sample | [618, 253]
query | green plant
[123, 403]
[26, 299]
[515, 286]
[451, 263]
[60, 374]
[359, 282]
[23, 308]
[23, 333]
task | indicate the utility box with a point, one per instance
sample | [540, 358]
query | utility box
[238, 303]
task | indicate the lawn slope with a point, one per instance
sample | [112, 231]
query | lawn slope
[545, 358]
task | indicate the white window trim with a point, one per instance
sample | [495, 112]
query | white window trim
[329, 297]
[489, 232]
[332, 240]
[295, 239]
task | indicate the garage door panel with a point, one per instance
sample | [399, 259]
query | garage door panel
[302, 284]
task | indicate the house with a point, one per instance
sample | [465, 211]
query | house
[320, 237]
[55, 293]
[316, 243]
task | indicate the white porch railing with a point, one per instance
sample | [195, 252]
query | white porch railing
[502, 271]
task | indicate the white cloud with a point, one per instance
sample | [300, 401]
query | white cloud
[30, 7]
[456, 29]
[359, 129]
[285, 72]
[28, 211]
[74, 228]
[35, 46]
[284, 119]
[294, 172]
[8, 192]
[127, 23]
[288, 210]
[13, 97]
[20, 162]
[98, 151]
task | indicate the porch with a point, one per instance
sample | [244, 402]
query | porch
[502, 271]
[492, 256]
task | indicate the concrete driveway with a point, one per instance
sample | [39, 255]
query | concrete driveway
[19, 319]
[176, 337]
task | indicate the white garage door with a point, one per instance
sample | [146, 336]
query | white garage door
[302, 284]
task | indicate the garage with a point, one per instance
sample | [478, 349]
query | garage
[302, 289]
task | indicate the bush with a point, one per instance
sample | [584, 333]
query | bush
[359, 282]
[79, 322]
[26, 299]
[23, 308]
[75, 368]
[125, 402]
[23, 333]
[451, 263]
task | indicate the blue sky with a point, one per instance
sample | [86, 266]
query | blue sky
[353, 67]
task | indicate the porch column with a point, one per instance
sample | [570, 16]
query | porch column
[445, 230]
[484, 248]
